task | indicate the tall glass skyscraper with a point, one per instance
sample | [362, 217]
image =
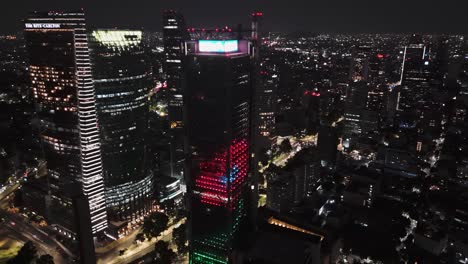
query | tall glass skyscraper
[63, 88]
[218, 91]
[122, 78]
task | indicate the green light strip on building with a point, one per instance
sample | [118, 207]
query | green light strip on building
[206, 259]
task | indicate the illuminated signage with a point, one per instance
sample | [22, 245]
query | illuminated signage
[42, 25]
[221, 46]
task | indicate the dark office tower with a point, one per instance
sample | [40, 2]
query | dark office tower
[175, 33]
[355, 104]
[330, 100]
[359, 70]
[375, 100]
[266, 100]
[86, 249]
[218, 90]
[122, 79]
[415, 74]
[381, 69]
[280, 193]
[62, 84]
[327, 143]
[462, 78]
[375, 104]
[311, 104]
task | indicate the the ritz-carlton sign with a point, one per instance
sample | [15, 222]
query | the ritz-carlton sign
[42, 25]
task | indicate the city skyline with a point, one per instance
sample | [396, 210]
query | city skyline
[337, 16]
[194, 142]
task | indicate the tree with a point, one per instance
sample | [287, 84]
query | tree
[181, 213]
[45, 259]
[285, 146]
[263, 156]
[399, 228]
[162, 253]
[179, 235]
[140, 237]
[155, 224]
[18, 198]
[26, 255]
[169, 207]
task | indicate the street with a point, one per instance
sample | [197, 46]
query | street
[20, 228]
[133, 252]
[23, 231]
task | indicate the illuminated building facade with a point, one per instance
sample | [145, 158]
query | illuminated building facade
[122, 79]
[63, 88]
[218, 91]
[174, 33]
[169, 189]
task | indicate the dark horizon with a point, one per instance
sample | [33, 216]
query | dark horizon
[338, 16]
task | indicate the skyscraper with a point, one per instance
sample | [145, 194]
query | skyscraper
[311, 105]
[280, 193]
[217, 116]
[267, 83]
[63, 88]
[266, 98]
[122, 79]
[359, 70]
[174, 33]
[415, 74]
[327, 142]
[355, 104]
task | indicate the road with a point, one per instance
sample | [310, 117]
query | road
[8, 189]
[27, 232]
[134, 251]
[6, 192]
[24, 231]
[15, 181]
[47, 244]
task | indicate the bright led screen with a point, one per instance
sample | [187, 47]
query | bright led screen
[219, 46]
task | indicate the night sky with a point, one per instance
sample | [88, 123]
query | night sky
[352, 16]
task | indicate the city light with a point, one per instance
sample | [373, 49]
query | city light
[206, 141]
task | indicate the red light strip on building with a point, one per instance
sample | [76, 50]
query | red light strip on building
[213, 183]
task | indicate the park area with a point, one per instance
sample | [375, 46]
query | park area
[9, 246]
